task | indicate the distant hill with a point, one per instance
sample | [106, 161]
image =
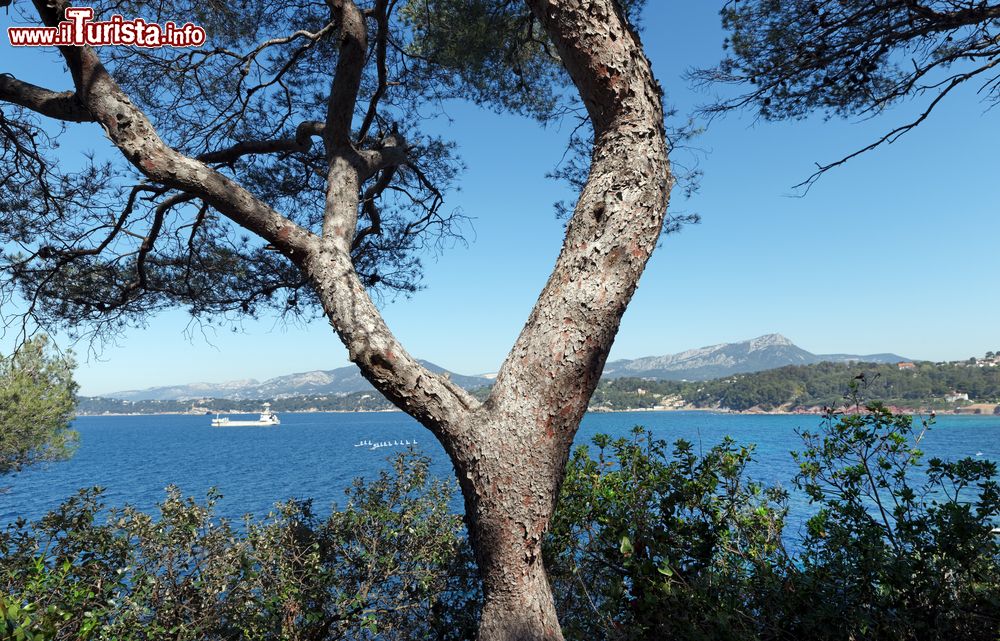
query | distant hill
[343, 380]
[762, 353]
[944, 387]
[939, 386]
[715, 361]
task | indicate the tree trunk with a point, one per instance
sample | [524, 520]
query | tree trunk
[511, 454]
[510, 451]
[510, 474]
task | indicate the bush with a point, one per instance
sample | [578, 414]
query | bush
[648, 542]
[37, 400]
[390, 564]
[656, 543]
[897, 550]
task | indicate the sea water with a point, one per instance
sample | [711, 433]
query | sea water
[313, 456]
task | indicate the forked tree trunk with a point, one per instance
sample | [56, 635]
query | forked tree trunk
[510, 452]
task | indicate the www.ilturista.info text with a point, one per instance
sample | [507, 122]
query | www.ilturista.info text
[79, 29]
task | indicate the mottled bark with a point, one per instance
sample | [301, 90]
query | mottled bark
[510, 467]
[509, 452]
[513, 465]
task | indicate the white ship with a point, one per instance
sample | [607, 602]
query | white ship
[267, 418]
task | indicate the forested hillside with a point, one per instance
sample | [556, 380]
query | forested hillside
[926, 385]
[356, 402]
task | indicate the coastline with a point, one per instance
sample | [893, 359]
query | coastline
[709, 410]
[89, 414]
[812, 411]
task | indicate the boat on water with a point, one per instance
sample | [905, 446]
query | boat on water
[267, 419]
[381, 444]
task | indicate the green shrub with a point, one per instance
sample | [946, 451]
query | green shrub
[648, 542]
[389, 564]
[655, 543]
[896, 550]
[37, 400]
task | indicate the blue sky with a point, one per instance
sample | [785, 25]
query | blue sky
[896, 251]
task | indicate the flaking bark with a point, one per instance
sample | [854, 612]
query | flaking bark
[511, 470]
[509, 452]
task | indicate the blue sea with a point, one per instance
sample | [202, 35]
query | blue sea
[312, 456]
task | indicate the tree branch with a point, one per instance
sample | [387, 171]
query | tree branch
[59, 105]
[393, 153]
[347, 167]
[150, 240]
[129, 129]
[558, 357]
[71, 254]
[894, 134]
[368, 205]
[326, 261]
[301, 142]
[347, 79]
[433, 400]
[381, 12]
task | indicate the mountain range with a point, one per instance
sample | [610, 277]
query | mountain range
[762, 353]
[770, 351]
[343, 380]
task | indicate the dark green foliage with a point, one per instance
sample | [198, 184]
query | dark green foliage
[807, 386]
[648, 542]
[826, 384]
[845, 58]
[651, 544]
[388, 564]
[853, 56]
[37, 399]
[896, 550]
[495, 51]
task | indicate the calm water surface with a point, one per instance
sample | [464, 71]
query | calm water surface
[313, 455]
